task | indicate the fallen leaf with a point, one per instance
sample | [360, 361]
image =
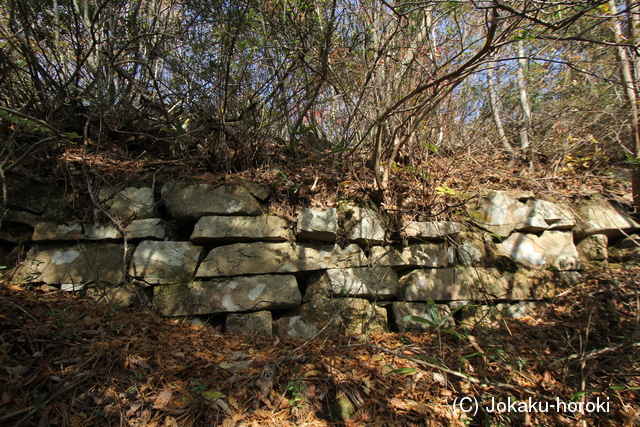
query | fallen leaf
[162, 400]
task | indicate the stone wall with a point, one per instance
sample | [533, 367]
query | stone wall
[198, 250]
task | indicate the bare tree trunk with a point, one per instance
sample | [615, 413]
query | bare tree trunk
[495, 111]
[525, 146]
[627, 72]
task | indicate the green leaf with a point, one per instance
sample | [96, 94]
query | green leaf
[404, 371]
[431, 147]
[622, 387]
[469, 356]
[209, 395]
[412, 318]
[583, 392]
[443, 190]
[430, 360]
[454, 333]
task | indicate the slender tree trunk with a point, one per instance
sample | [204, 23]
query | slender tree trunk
[495, 111]
[525, 146]
[627, 65]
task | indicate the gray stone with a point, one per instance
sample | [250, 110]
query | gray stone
[472, 250]
[228, 295]
[471, 315]
[76, 265]
[165, 262]
[260, 258]
[544, 215]
[518, 310]
[627, 250]
[438, 284]
[258, 191]
[34, 196]
[102, 232]
[594, 247]
[600, 217]
[130, 202]
[426, 255]
[121, 296]
[534, 223]
[318, 224]
[439, 315]
[525, 250]
[387, 256]
[331, 317]
[258, 323]
[430, 229]
[226, 229]
[22, 217]
[415, 255]
[362, 225]
[629, 242]
[146, 229]
[478, 284]
[560, 250]
[192, 201]
[492, 283]
[553, 248]
[363, 282]
[48, 230]
[499, 213]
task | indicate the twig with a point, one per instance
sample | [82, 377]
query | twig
[22, 309]
[98, 205]
[461, 375]
[592, 353]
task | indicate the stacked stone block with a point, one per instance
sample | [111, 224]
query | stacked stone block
[267, 273]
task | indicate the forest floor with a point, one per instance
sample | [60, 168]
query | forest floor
[575, 361]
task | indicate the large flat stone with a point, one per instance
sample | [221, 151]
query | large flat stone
[146, 229]
[257, 190]
[479, 284]
[362, 282]
[499, 213]
[544, 215]
[262, 258]
[102, 232]
[525, 250]
[553, 248]
[430, 229]
[47, 230]
[165, 262]
[362, 225]
[225, 229]
[77, 264]
[318, 224]
[330, 317]
[130, 202]
[437, 284]
[560, 250]
[258, 323]
[228, 295]
[472, 249]
[192, 201]
[416, 255]
[601, 217]
[594, 247]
